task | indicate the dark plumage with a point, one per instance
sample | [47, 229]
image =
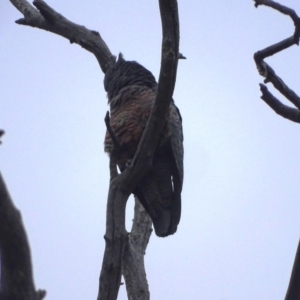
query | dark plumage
[131, 91]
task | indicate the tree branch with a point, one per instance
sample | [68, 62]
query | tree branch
[266, 71]
[16, 270]
[281, 8]
[133, 267]
[46, 18]
[122, 186]
[285, 111]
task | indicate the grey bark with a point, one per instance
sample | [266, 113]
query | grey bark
[133, 267]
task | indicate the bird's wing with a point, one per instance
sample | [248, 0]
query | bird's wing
[176, 142]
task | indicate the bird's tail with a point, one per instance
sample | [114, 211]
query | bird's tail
[162, 204]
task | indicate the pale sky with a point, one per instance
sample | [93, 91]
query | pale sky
[240, 222]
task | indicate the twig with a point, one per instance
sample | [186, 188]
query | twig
[281, 8]
[281, 109]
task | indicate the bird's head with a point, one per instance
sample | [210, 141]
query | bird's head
[121, 73]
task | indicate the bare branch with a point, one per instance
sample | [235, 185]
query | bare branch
[283, 9]
[293, 291]
[16, 270]
[279, 84]
[269, 51]
[46, 18]
[285, 111]
[266, 71]
[115, 240]
[122, 186]
[133, 258]
[166, 84]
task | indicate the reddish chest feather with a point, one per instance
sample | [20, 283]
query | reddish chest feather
[129, 112]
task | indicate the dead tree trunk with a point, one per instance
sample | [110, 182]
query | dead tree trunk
[44, 17]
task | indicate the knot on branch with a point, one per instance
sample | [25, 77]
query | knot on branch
[28, 16]
[297, 34]
[46, 11]
[95, 32]
[40, 294]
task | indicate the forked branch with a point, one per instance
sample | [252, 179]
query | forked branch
[266, 71]
[123, 185]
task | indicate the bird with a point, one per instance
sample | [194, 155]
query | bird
[131, 92]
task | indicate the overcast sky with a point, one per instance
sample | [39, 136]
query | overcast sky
[240, 220]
